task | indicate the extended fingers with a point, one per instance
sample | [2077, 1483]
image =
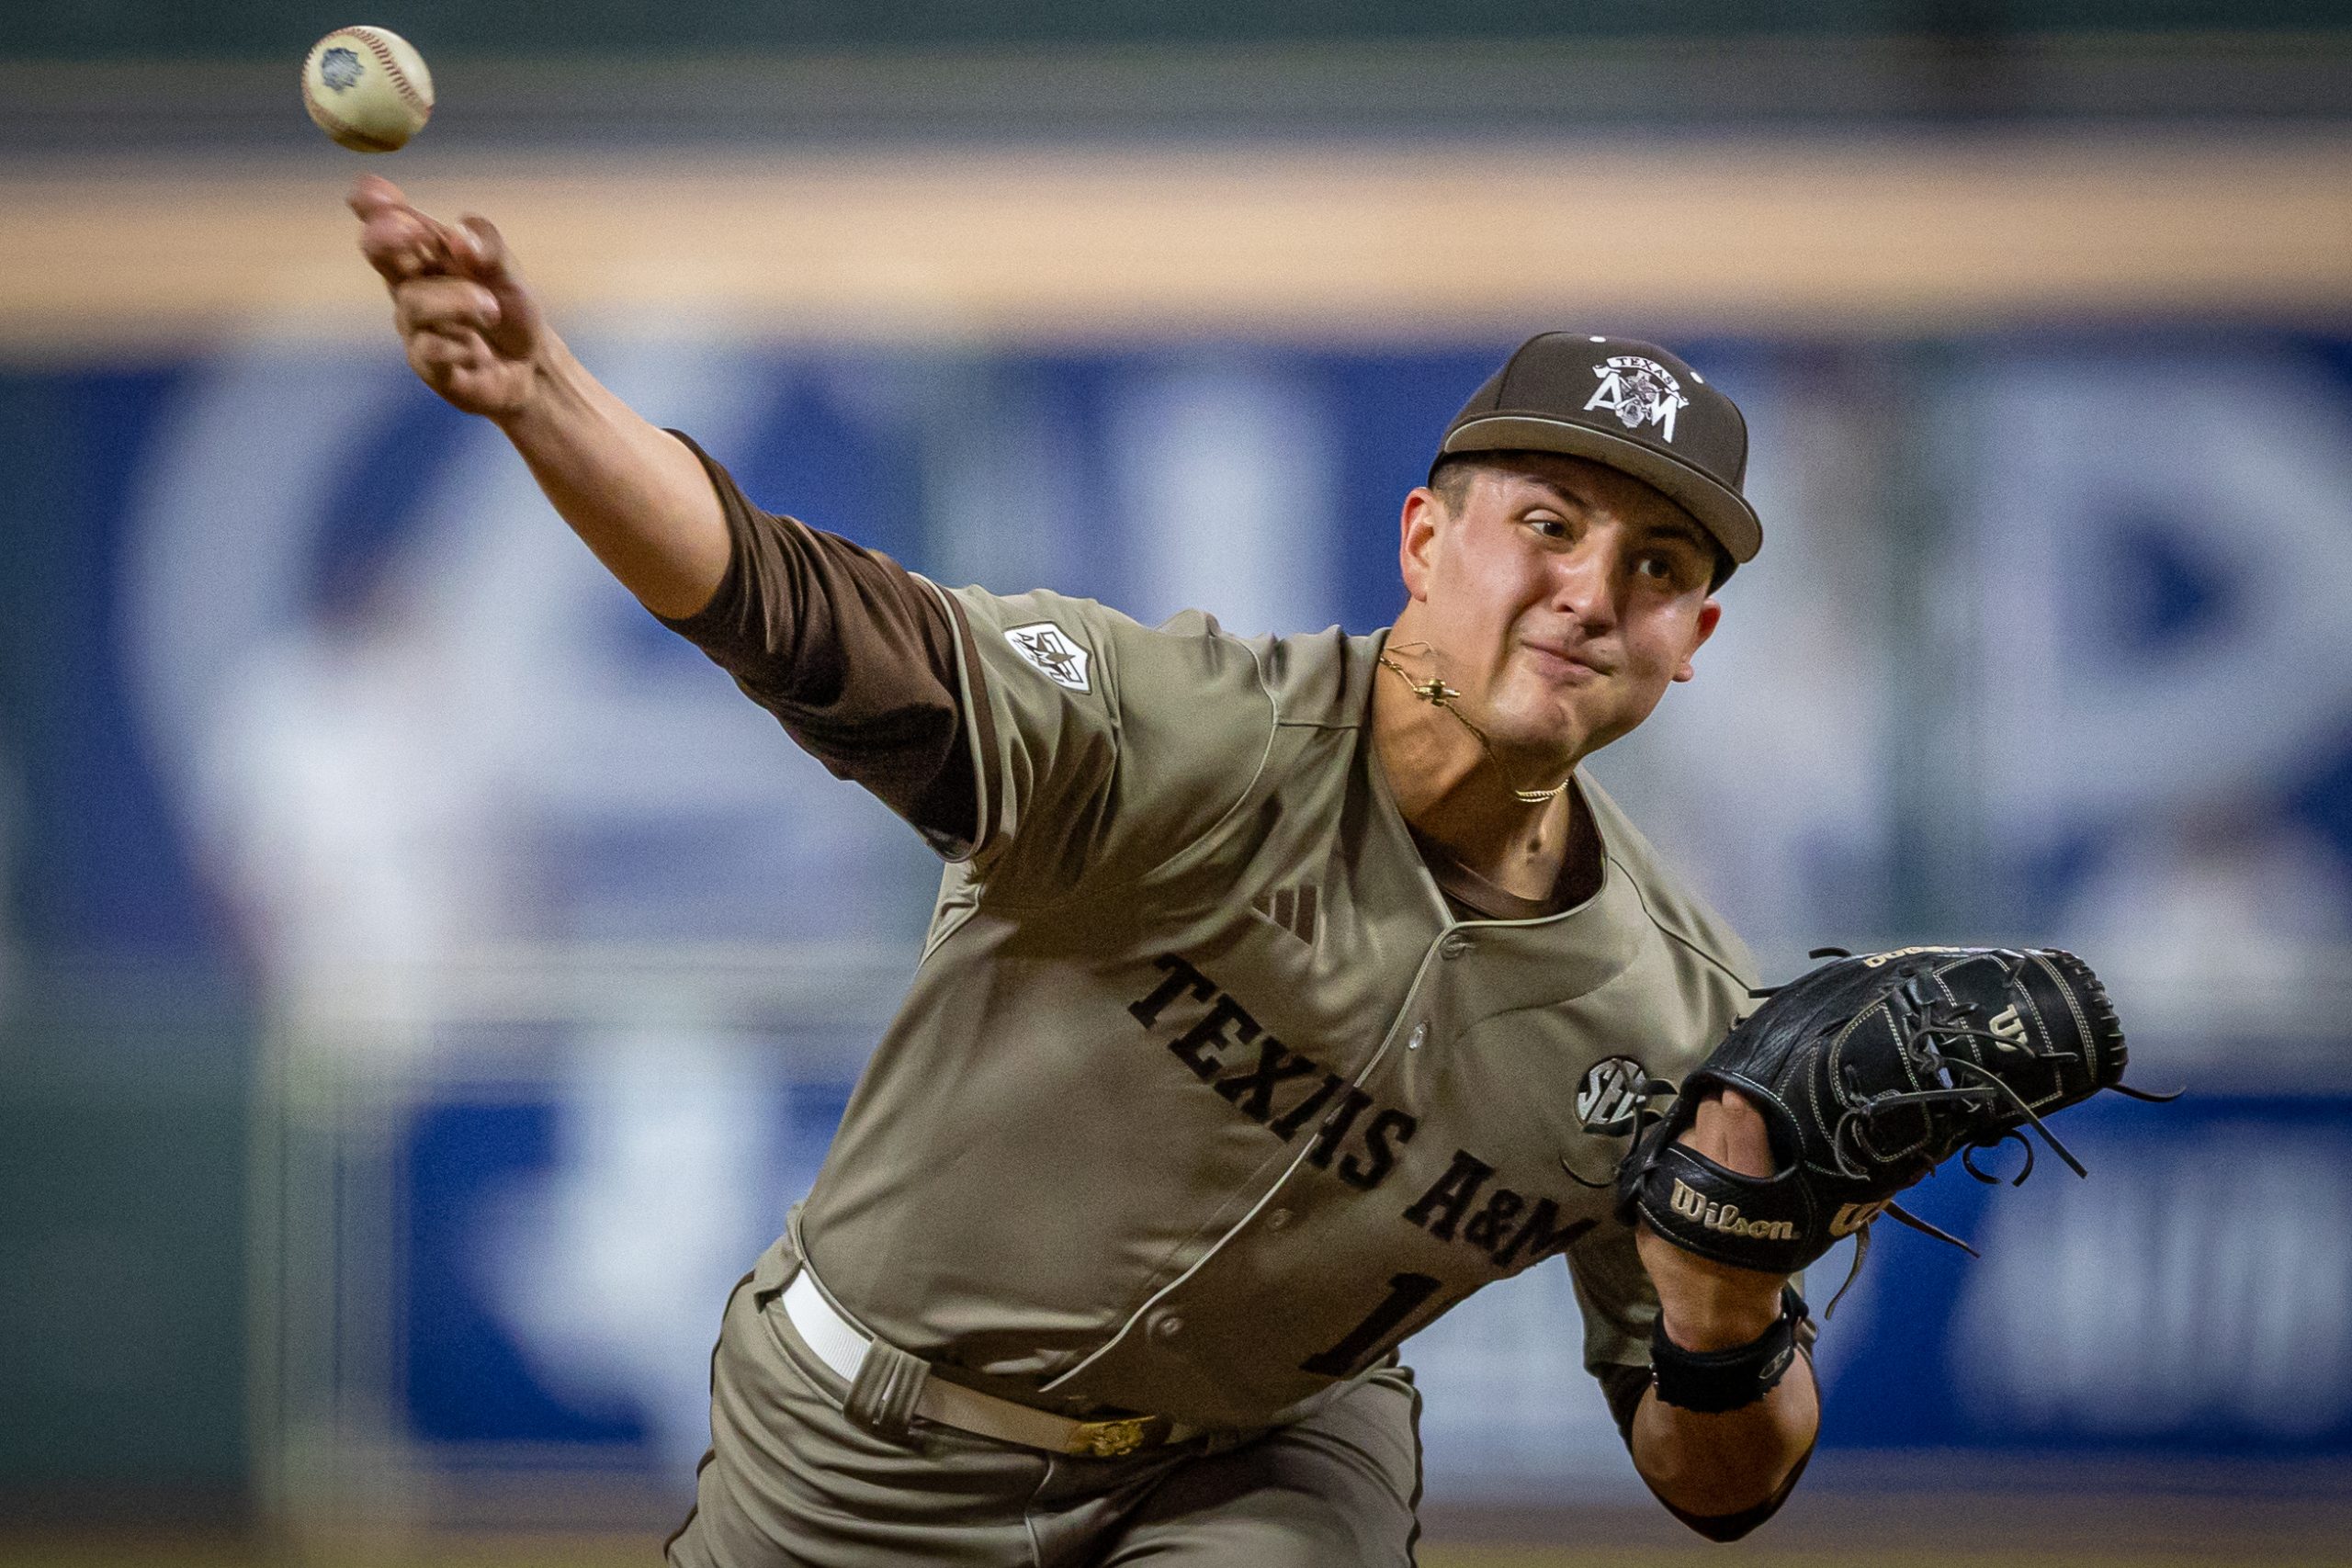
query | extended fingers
[434, 355]
[447, 363]
[372, 193]
[399, 241]
[444, 305]
[476, 245]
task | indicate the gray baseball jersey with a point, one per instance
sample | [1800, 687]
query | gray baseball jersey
[1204, 1095]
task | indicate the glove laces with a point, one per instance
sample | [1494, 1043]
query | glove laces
[1963, 1092]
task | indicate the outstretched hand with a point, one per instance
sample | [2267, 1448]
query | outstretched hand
[472, 329]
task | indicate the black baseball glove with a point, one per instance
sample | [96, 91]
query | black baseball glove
[1870, 1072]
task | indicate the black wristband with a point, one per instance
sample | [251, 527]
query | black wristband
[1711, 1382]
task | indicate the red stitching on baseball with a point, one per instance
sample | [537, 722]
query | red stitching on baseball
[331, 121]
[392, 69]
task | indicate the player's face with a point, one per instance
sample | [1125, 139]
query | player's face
[1561, 598]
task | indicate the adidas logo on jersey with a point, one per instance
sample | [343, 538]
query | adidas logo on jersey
[1692, 1205]
[1293, 908]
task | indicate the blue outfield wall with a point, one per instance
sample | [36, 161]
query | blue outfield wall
[215, 561]
[2168, 1307]
[296, 671]
[2185, 1299]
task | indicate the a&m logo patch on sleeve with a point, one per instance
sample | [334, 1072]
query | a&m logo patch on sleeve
[1051, 653]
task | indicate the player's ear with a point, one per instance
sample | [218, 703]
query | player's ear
[1709, 614]
[1416, 540]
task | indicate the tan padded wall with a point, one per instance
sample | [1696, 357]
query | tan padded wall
[1862, 237]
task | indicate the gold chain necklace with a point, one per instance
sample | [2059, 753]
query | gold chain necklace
[1437, 694]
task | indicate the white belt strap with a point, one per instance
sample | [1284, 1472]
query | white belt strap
[842, 1345]
[835, 1339]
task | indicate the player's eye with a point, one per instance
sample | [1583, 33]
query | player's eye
[1549, 524]
[1670, 568]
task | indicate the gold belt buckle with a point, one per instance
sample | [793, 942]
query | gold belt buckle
[1110, 1440]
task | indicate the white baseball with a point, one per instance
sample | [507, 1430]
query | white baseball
[367, 88]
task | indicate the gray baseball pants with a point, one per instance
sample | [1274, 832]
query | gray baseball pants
[790, 1481]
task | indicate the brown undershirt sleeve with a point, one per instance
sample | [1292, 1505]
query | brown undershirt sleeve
[854, 654]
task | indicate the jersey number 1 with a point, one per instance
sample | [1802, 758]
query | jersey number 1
[1407, 1294]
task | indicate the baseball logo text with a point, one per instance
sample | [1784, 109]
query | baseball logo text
[339, 69]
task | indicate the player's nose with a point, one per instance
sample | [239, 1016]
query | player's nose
[1586, 581]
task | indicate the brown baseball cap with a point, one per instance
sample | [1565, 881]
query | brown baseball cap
[1629, 404]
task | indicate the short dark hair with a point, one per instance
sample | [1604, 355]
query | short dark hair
[1452, 477]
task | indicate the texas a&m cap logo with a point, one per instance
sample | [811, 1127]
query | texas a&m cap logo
[1638, 391]
[1631, 405]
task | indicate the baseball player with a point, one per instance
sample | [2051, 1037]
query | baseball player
[1279, 993]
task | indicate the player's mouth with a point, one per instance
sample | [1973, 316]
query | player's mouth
[1573, 666]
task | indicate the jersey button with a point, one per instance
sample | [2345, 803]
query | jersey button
[1277, 1218]
[1420, 1032]
[1453, 946]
[1168, 1326]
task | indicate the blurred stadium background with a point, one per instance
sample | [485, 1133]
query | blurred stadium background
[424, 982]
